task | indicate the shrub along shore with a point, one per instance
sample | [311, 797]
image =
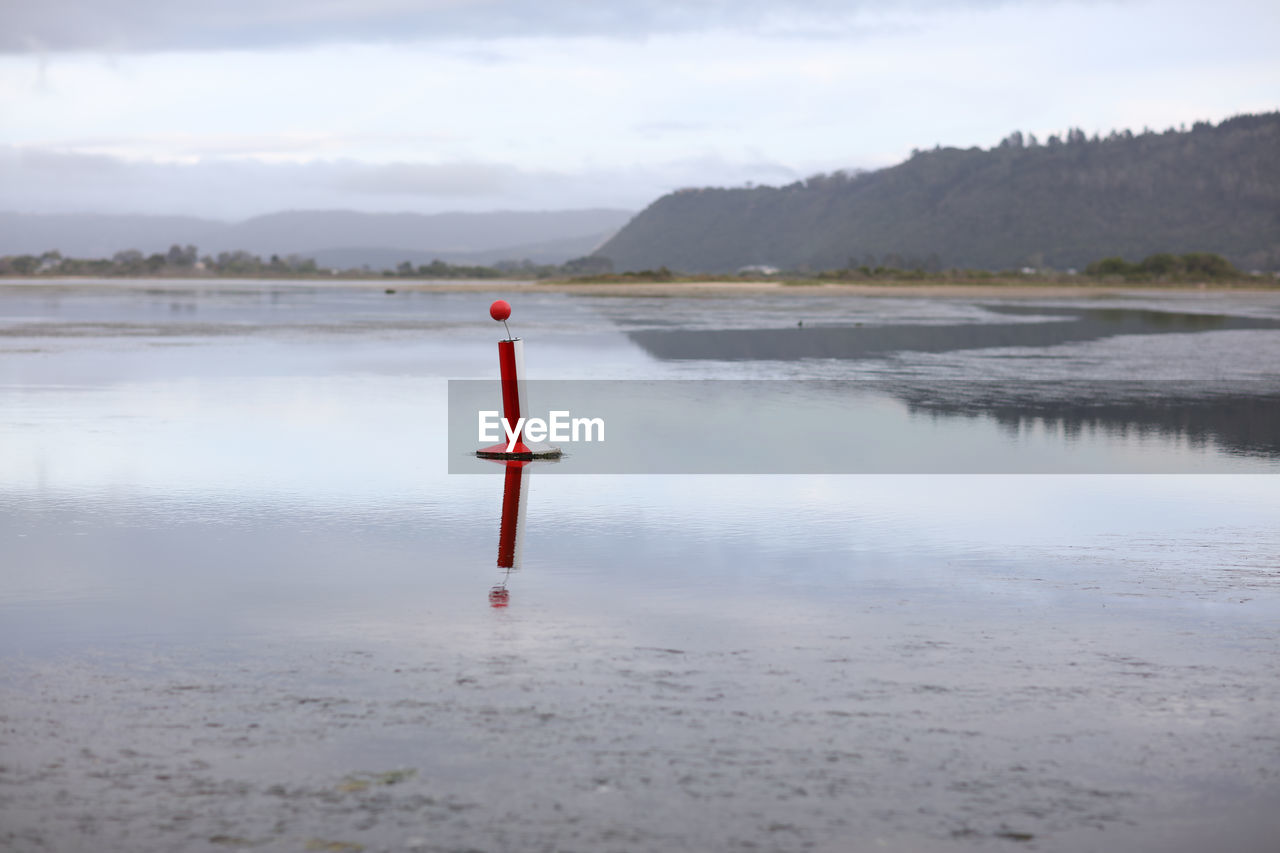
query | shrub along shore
[1191, 269]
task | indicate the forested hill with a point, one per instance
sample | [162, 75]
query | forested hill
[1060, 203]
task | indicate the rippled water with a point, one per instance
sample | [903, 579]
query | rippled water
[243, 604]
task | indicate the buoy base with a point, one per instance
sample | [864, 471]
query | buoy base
[522, 451]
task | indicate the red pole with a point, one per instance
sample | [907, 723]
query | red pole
[509, 367]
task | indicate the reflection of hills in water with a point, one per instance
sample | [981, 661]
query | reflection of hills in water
[1070, 325]
[1242, 417]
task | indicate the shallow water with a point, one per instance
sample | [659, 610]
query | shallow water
[244, 604]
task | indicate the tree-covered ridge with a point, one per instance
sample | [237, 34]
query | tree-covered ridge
[1060, 203]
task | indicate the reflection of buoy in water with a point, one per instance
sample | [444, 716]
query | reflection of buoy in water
[510, 534]
[515, 486]
[514, 405]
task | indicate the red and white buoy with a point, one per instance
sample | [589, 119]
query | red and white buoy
[514, 404]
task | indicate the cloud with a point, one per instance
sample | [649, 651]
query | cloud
[452, 179]
[670, 126]
[57, 165]
[38, 180]
[162, 25]
[542, 123]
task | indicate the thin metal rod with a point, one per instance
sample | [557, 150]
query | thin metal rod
[504, 325]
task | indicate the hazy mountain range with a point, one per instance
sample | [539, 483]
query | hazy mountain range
[333, 238]
[1056, 203]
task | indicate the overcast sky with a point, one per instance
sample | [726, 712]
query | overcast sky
[238, 107]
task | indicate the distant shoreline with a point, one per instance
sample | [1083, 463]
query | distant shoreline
[1016, 287]
[915, 287]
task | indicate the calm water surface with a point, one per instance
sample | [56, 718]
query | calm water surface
[243, 603]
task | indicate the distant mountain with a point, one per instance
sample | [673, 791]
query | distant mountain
[308, 231]
[543, 236]
[549, 252]
[1059, 204]
[90, 235]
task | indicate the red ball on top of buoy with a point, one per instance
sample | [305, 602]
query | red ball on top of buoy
[500, 310]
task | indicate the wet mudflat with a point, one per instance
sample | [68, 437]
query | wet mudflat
[243, 605]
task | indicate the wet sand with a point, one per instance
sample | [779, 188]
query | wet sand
[936, 735]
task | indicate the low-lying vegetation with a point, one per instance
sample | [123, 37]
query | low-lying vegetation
[186, 262]
[1164, 267]
[1193, 268]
